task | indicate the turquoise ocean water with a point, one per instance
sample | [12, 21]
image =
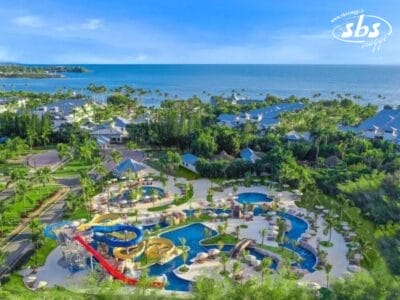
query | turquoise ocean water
[254, 81]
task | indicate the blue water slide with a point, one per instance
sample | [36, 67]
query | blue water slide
[102, 234]
[49, 230]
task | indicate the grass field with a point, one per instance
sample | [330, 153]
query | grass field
[15, 208]
[72, 168]
[154, 162]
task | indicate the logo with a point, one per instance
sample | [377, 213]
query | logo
[357, 27]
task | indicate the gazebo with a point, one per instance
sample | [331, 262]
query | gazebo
[128, 166]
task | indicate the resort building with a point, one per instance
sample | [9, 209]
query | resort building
[384, 125]
[249, 155]
[264, 118]
[294, 136]
[233, 99]
[189, 161]
[128, 167]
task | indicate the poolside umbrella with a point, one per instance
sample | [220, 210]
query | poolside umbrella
[201, 256]
[271, 213]
[275, 227]
[252, 259]
[354, 268]
[213, 252]
[31, 279]
[314, 285]
[41, 284]
[213, 215]
[346, 227]
[224, 215]
[76, 223]
[257, 263]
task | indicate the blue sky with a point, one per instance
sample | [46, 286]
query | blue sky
[206, 31]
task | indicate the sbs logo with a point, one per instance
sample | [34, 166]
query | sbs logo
[360, 28]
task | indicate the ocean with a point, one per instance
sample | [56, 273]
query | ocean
[379, 85]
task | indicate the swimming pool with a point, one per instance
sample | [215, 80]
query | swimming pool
[148, 190]
[193, 234]
[252, 198]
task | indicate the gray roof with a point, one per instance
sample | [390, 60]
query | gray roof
[386, 120]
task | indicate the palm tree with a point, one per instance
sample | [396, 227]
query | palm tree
[265, 266]
[236, 269]
[224, 258]
[99, 167]
[65, 151]
[237, 231]
[116, 156]
[15, 176]
[135, 213]
[281, 230]
[328, 269]
[36, 235]
[330, 223]
[131, 145]
[3, 261]
[207, 232]
[3, 209]
[43, 176]
[263, 233]
[185, 252]
[72, 202]
[87, 190]
[21, 190]
[220, 245]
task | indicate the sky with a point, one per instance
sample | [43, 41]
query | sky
[188, 31]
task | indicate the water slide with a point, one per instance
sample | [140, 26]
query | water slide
[109, 268]
[129, 253]
[106, 219]
[107, 235]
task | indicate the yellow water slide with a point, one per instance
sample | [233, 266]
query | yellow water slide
[104, 220]
[129, 253]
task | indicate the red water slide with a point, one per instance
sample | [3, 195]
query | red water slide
[108, 267]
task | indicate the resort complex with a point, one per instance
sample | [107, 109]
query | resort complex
[123, 200]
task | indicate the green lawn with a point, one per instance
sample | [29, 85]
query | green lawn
[6, 168]
[227, 239]
[72, 168]
[285, 253]
[154, 162]
[159, 208]
[15, 209]
[14, 288]
[185, 173]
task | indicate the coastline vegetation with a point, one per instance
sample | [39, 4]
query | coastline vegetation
[28, 71]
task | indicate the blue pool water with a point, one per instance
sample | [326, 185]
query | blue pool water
[252, 198]
[148, 190]
[193, 234]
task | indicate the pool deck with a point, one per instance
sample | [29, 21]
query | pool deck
[287, 200]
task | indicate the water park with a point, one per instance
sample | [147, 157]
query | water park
[141, 226]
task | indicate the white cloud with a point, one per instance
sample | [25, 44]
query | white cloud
[28, 21]
[89, 25]
[92, 24]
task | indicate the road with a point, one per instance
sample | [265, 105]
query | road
[20, 248]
